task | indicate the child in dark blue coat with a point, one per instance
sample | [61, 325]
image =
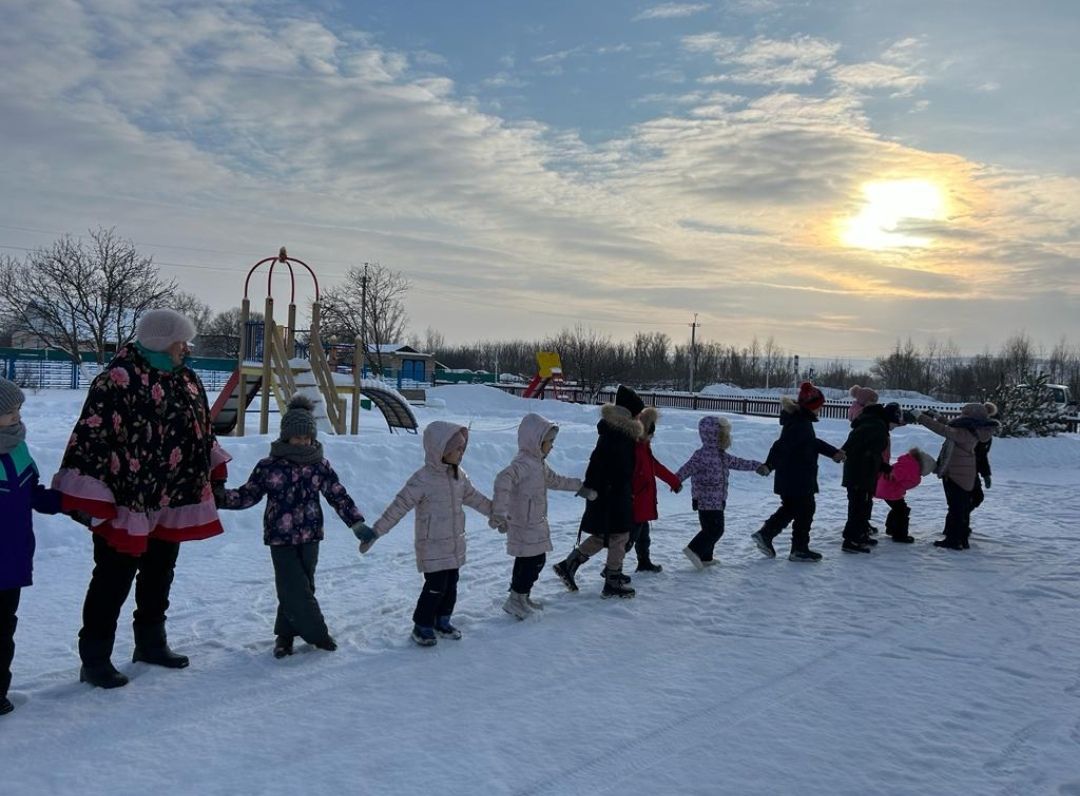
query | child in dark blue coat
[20, 496]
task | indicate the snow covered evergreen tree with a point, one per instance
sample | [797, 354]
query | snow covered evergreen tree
[1028, 409]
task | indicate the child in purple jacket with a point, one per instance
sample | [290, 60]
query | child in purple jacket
[708, 470]
[292, 478]
[20, 496]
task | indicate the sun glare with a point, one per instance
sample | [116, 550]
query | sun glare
[887, 206]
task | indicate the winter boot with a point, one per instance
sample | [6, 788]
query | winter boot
[850, 546]
[5, 706]
[569, 566]
[804, 555]
[283, 646]
[152, 647]
[445, 629]
[905, 539]
[605, 572]
[424, 636]
[646, 565]
[950, 544]
[764, 543]
[536, 605]
[695, 559]
[327, 644]
[97, 669]
[615, 587]
[516, 606]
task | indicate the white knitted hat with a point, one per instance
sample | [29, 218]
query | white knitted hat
[159, 329]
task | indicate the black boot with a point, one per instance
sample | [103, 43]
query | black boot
[615, 586]
[97, 669]
[618, 573]
[152, 647]
[565, 569]
[646, 565]
[283, 646]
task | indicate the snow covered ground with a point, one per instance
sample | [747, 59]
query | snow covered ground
[913, 670]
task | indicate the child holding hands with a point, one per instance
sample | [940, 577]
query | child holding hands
[20, 496]
[438, 491]
[708, 470]
[291, 478]
[520, 508]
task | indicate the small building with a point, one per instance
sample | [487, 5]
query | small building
[404, 361]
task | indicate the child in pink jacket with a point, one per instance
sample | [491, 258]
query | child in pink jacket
[907, 472]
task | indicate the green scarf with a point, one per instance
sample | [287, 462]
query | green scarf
[159, 360]
[298, 454]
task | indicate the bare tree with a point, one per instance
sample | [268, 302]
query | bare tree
[82, 295]
[191, 306]
[220, 336]
[369, 304]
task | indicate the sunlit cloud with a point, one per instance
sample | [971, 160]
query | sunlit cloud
[671, 11]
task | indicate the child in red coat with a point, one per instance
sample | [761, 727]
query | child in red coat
[906, 474]
[646, 470]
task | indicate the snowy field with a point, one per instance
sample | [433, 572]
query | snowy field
[913, 670]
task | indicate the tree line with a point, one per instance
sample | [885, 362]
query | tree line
[87, 294]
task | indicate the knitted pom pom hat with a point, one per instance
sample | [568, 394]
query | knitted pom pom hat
[810, 397]
[863, 395]
[299, 420]
[11, 397]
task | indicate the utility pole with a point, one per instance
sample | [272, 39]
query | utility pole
[693, 349]
[363, 318]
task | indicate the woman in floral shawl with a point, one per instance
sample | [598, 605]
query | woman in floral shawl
[138, 471]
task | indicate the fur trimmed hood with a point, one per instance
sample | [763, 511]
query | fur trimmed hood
[715, 432]
[648, 417]
[620, 420]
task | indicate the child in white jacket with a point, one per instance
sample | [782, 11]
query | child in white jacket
[438, 491]
[520, 508]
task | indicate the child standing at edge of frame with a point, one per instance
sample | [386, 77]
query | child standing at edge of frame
[21, 495]
[438, 491]
[519, 509]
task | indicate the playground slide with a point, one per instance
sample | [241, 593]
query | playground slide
[395, 409]
[224, 412]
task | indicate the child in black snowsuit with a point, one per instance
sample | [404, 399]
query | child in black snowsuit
[292, 478]
[609, 519]
[867, 449]
[794, 458]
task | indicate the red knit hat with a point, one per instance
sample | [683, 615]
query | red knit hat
[810, 397]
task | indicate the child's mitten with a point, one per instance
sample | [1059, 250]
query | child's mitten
[763, 469]
[364, 533]
[587, 493]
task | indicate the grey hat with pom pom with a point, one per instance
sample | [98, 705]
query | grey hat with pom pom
[298, 420]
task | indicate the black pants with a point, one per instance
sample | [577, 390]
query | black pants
[899, 519]
[9, 604]
[712, 528]
[958, 518]
[526, 571]
[438, 597]
[298, 612]
[640, 541]
[859, 505]
[110, 585]
[798, 510]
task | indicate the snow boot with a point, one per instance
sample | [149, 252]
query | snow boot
[445, 629]
[614, 586]
[536, 605]
[327, 644]
[152, 647]
[646, 565]
[424, 636]
[566, 568]
[804, 555]
[516, 606]
[950, 544]
[850, 546]
[695, 559]
[871, 529]
[283, 646]
[97, 669]
[905, 539]
[5, 706]
[605, 572]
[764, 543]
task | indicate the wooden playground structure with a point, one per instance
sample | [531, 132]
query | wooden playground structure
[267, 364]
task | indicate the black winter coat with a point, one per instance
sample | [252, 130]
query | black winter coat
[794, 455]
[611, 473]
[865, 448]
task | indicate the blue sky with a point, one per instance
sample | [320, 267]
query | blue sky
[833, 174]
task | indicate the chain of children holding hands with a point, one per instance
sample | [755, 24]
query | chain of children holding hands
[144, 472]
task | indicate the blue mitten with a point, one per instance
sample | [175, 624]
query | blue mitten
[364, 533]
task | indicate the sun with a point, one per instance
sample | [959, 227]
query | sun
[888, 205]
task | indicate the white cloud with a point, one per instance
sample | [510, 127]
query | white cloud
[671, 11]
[765, 61]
